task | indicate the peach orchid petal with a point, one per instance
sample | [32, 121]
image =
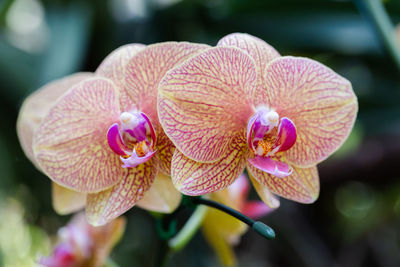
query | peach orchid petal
[114, 65]
[206, 101]
[162, 196]
[66, 201]
[266, 196]
[195, 178]
[104, 206]
[321, 104]
[258, 49]
[165, 151]
[36, 106]
[70, 145]
[301, 186]
[145, 70]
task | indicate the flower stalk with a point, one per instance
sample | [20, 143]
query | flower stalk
[188, 230]
[193, 224]
[261, 228]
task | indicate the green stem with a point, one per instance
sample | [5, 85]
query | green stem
[257, 226]
[375, 12]
[188, 230]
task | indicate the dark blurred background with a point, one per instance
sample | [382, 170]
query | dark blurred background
[356, 220]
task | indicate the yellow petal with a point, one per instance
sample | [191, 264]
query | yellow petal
[222, 231]
[36, 106]
[66, 201]
[162, 196]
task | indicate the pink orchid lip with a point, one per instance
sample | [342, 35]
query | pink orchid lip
[138, 126]
[276, 168]
[262, 123]
[261, 126]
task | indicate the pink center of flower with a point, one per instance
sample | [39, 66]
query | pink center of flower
[133, 139]
[266, 136]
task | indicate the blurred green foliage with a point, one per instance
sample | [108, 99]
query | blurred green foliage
[356, 221]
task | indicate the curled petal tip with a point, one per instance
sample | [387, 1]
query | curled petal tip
[276, 168]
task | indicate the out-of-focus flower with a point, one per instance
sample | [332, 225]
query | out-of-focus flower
[222, 230]
[20, 243]
[97, 135]
[242, 104]
[83, 245]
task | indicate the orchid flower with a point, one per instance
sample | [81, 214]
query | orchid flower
[242, 104]
[81, 244]
[97, 136]
[222, 230]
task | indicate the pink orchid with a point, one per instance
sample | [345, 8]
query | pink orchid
[97, 136]
[81, 244]
[222, 230]
[242, 104]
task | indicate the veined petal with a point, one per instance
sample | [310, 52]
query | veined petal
[259, 50]
[36, 106]
[266, 196]
[162, 196]
[274, 167]
[113, 67]
[145, 70]
[301, 186]
[195, 178]
[206, 101]
[66, 201]
[165, 150]
[320, 103]
[70, 144]
[104, 206]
